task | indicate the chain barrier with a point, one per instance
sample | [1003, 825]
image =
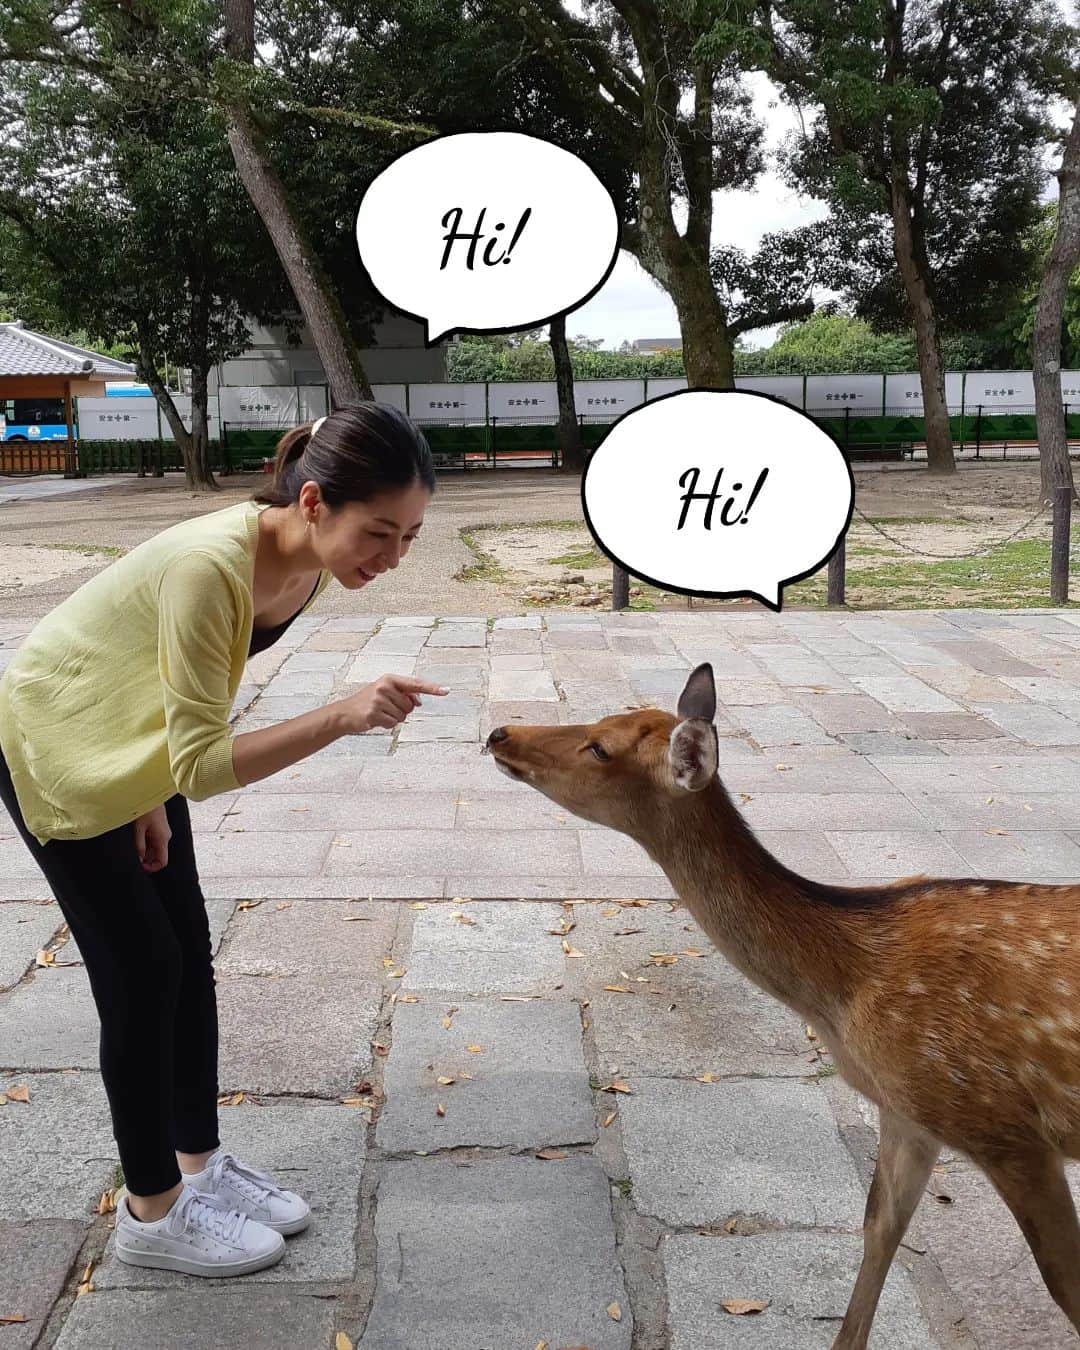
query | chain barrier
[978, 553]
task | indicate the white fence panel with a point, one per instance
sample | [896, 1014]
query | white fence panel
[608, 398]
[787, 388]
[271, 405]
[521, 399]
[117, 419]
[998, 391]
[394, 394]
[860, 393]
[447, 403]
[903, 393]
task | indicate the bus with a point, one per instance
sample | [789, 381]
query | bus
[32, 419]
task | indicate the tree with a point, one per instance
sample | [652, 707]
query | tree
[573, 454]
[932, 122]
[126, 219]
[635, 64]
[1061, 265]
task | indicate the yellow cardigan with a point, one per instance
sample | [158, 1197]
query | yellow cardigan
[119, 698]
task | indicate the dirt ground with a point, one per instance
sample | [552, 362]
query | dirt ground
[501, 542]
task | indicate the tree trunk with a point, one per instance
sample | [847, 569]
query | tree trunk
[573, 454]
[708, 352]
[1056, 468]
[147, 371]
[914, 268]
[197, 464]
[323, 314]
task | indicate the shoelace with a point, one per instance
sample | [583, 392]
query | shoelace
[206, 1211]
[246, 1179]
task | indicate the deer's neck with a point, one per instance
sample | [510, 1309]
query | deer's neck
[764, 918]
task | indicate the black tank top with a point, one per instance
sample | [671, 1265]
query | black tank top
[261, 638]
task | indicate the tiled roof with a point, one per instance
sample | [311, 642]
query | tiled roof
[24, 352]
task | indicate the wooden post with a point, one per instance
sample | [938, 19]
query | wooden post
[71, 468]
[620, 587]
[837, 564]
[1059, 547]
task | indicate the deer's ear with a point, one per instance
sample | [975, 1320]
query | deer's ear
[693, 754]
[698, 698]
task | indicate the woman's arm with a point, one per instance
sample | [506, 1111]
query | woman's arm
[383, 703]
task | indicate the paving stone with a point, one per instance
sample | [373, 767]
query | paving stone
[17, 863]
[845, 773]
[310, 937]
[516, 660]
[397, 641]
[898, 853]
[523, 713]
[766, 1148]
[779, 726]
[1019, 857]
[457, 635]
[418, 729]
[806, 1278]
[833, 811]
[239, 853]
[478, 810]
[314, 1032]
[519, 621]
[807, 852]
[338, 774]
[499, 1254]
[558, 887]
[35, 1258]
[184, 1318]
[313, 1148]
[699, 1015]
[57, 1152]
[50, 1022]
[904, 693]
[846, 712]
[609, 851]
[24, 930]
[955, 726]
[507, 949]
[369, 666]
[340, 811]
[397, 886]
[876, 743]
[529, 1088]
[357, 854]
[1032, 723]
[507, 686]
[583, 636]
[1016, 813]
[273, 709]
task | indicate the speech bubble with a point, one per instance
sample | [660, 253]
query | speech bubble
[715, 492]
[487, 232]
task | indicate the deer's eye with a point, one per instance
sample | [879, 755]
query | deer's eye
[600, 753]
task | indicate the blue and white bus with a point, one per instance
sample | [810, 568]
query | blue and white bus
[32, 419]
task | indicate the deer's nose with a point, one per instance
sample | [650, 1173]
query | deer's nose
[497, 734]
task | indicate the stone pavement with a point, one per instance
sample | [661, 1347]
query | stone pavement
[528, 1103]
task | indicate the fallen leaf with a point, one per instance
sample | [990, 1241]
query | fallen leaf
[447, 1022]
[740, 1307]
[10, 1319]
[357, 1101]
[692, 951]
[731, 1225]
[551, 1154]
[617, 1086]
[379, 1048]
[707, 1078]
[942, 1198]
[993, 829]
[475, 1049]
[608, 1119]
[517, 998]
[417, 904]
[285, 904]
[18, 1094]
[618, 989]
[107, 1202]
[44, 958]
[299, 808]
[614, 1312]
[342, 1342]
[440, 1110]
[406, 998]
[783, 767]
[625, 932]
[610, 912]
[444, 1081]
[357, 918]
[248, 904]
[86, 1285]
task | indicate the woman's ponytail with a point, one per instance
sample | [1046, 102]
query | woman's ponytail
[354, 454]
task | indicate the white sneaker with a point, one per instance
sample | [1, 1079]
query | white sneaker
[200, 1235]
[251, 1191]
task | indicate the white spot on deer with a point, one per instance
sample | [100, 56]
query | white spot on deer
[1009, 919]
[916, 987]
[978, 890]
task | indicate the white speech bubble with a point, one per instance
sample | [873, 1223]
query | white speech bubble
[780, 491]
[487, 232]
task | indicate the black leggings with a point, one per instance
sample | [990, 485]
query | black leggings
[145, 942]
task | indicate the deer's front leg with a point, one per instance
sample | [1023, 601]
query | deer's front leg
[906, 1156]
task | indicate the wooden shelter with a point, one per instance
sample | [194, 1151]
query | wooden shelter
[34, 366]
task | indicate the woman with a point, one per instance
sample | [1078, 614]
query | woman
[114, 712]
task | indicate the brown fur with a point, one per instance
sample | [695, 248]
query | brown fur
[952, 1004]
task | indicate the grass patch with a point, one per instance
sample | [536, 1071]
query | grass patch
[485, 568]
[589, 557]
[624, 1186]
[88, 550]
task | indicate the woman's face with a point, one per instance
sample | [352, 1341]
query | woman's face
[360, 540]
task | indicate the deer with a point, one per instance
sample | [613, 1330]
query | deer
[953, 1005]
